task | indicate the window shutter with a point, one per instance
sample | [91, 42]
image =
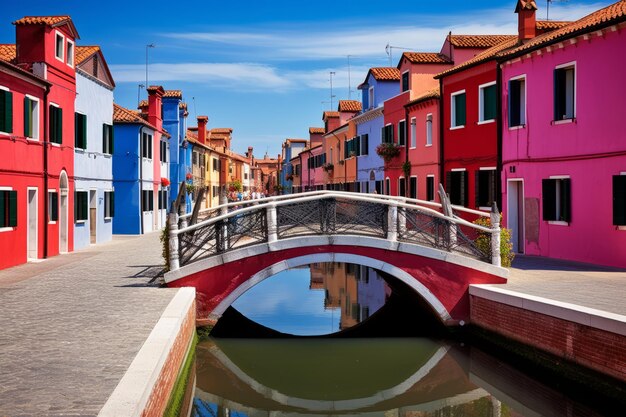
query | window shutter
[6, 111]
[514, 103]
[151, 197]
[105, 138]
[492, 188]
[548, 193]
[111, 138]
[477, 189]
[459, 109]
[390, 134]
[28, 114]
[566, 203]
[383, 133]
[365, 144]
[4, 197]
[619, 200]
[54, 214]
[84, 207]
[464, 183]
[489, 101]
[12, 209]
[59, 125]
[559, 94]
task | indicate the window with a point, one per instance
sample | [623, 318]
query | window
[163, 153]
[364, 144]
[81, 206]
[402, 132]
[556, 196]
[458, 109]
[56, 124]
[146, 148]
[487, 102]
[387, 187]
[371, 99]
[109, 204]
[107, 139]
[162, 197]
[430, 188]
[70, 53]
[31, 117]
[379, 187]
[8, 208]
[564, 93]
[215, 191]
[429, 129]
[402, 187]
[387, 134]
[80, 131]
[619, 200]
[413, 187]
[456, 184]
[53, 206]
[6, 111]
[59, 46]
[485, 187]
[413, 132]
[517, 102]
[405, 81]
[147, 200]
[216, 164]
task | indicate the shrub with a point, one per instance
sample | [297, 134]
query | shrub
[165, 245]
[483, 241]
[406, 169]
[328, 167]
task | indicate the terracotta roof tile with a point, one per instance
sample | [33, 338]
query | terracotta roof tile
[478, 41]
[546, 25]
[484, 56]
[173, 94]
[7, 52]
[143, 103]
[183, 105]
[124, 115]
[38, 20]
[434, 93]
[610, 15]
[385, 73]
[227, 130]
[330, 114]
[316, 130]
[84, 52]
[425, 58]
[349, 106]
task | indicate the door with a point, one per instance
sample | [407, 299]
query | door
[32, 224]
[515, 216]
[93, 216]
[63, 218]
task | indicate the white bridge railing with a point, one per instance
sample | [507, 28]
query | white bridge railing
[240, 224]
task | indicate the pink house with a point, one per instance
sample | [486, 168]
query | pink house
[563, 139]
[312, 159]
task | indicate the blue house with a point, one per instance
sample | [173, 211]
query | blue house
[291, 149]
[175, 122]
[380, 84]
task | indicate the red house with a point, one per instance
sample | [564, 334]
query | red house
[37, 93]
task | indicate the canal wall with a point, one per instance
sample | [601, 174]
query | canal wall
[147, 387]
[592, 338]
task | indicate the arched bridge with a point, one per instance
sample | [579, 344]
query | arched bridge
[427, 245]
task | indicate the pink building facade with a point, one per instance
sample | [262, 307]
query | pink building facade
[563, 141]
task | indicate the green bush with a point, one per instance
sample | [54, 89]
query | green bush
[165, 245]
[483, 241]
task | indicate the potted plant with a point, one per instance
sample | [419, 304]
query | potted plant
[165, 182]
[388, 151]
[328, 167]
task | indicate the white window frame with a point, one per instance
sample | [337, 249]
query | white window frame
[413, 138]
[453, 110]
[557, 201]
[525, 101]
[481, 102]
[50, 191]
[6, 133]
[69, 57]
[571, 64]
[58, 34]
[9, 229]
[429, 132]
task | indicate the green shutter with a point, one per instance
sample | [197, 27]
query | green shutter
[84, 208]
[104, 138]
[6, 111]
[77, 131]
[54, 207]
[28, 114]
[459, 110]
[84, 130]
[59, 125]
[489, 102]
[619, 200]
[12, 208]
[566, 200]
[3, 208]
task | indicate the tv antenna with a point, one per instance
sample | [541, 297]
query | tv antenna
[331, 89]
[548, 6]
[389, 51]
[349, 80]
[193, 99]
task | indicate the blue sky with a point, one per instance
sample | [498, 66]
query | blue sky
[263, 68]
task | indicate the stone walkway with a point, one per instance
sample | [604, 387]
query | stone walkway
[71, 325]
[592, 286]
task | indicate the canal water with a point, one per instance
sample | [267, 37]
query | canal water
[423, 376]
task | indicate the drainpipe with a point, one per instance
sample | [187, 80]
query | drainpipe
[441, 129]
[407, 138]
[499, 134]
[141, 179]
[45, 172]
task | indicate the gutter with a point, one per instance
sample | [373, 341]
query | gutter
[498, 181]
[141, 179]
[441, 129]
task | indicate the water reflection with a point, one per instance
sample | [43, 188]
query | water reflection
[395, 377]
[318, 299]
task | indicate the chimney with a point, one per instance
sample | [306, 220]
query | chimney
[202, 122]
[526, 25]
[249, 154]
[155, 95]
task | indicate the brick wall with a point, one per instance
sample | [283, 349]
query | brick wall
[163, 387]
[597, 349]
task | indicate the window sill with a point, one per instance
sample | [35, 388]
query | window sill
[79, 150]
[56, 145]
[457, 127]
[564, 121]
[7, 229]
[484, 208]
[486, 122]
[558, 223]
[428, 145]
[618, 228]
[517, 127]
[80, 221]
[53, 222]
[108, 219]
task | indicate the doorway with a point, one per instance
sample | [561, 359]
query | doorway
[515, 215]
[93, 215]
[63, 218]
[32, 224]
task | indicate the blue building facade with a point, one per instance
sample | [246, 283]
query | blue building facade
[291, 149]
[175, 122]
[380, 84]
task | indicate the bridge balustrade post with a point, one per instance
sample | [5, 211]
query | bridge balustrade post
[272, 224]
[392, 231]
[402, 213]
[183, 209]
[223, 211]
[173, 242]
[495, 235]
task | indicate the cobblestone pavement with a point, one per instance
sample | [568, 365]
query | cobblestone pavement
[70, 326]
[592, 286]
